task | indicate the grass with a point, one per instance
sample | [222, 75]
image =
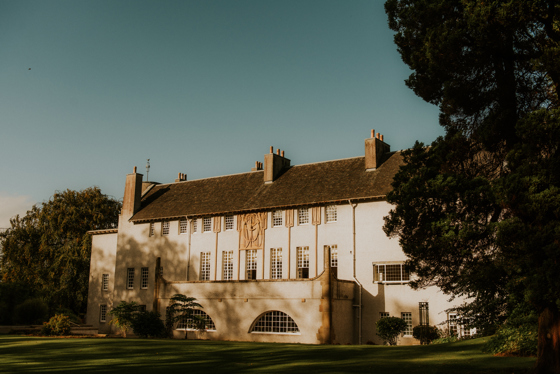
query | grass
[25, 354]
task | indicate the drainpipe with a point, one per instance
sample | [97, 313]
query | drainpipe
[189, 228]
[359, 306]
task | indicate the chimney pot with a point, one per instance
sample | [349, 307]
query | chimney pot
[271, 149]
[282, 154]
[381, 137]
[134, 170]
[278, 152]
[372, 133]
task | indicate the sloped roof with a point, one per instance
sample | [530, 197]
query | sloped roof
[301, 185]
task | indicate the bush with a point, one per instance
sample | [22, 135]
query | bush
[514, 340]
[389, 328]
[57, 325]
[123, 315]
[148, 324]
[68, 312]
[31, 312]
[425, 333]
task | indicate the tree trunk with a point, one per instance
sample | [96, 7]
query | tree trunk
[548, 351]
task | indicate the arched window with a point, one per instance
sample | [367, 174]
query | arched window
[275, 322]
[196, 323]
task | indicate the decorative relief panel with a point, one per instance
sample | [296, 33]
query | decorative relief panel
[316, 215]
[251, 230]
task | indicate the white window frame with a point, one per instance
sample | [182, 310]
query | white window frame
[130, 278]
[303, 216]
[277, 219]
[229, 222]
[183, 226]
[333, 253]
[151, 229]
[105, 282]
[144, 278]
[250, 264]
[103, 313]
[331, 214]
[204, 266]
[302, 262]
[195, 226]
[383, 315]
[275, 263]
[407, 317]
[165, 228]
[227, 265]
[191, 326]
[389, 270]
[207, 224]
[275, 322]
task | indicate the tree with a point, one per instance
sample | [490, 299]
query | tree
[389, 328]
[181, 310]
[477, 212]
[48, 250]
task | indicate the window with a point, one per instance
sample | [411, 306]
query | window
[201, 321]
[194, 225]
[391, 273]
[105, 282]
[303, 262]
[165, 228]
[227, 265]
[424, 313]
[103, 313]
[383, 314]
[407, 316]
[205, 266]
[452, 324]
[207, 224]
[151, 229]
[330, 213]
[251, 263]
[275, 322]
[144, 278]
[130, 278]
[229, 222]
[183, 224]
[275, 263]
[303, 216]
[277, 218]
[334, 260]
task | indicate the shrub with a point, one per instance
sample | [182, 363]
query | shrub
[514, 340]
[425, 333]
[389, 328]
[31, 311]
[148, 324]
[57, 325]
[68, 312]
[123, 315]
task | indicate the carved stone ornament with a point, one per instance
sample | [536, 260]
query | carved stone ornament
[251, 230]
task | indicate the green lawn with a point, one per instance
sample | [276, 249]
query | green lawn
[23, 354]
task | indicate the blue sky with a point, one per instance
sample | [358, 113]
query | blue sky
[90, 89]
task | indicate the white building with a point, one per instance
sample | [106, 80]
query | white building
[279, 254]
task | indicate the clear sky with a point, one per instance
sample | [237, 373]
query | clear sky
[90, 89]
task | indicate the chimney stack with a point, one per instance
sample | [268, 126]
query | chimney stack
[258, 166]
[181, 177]
[375, 148]
[132, 194]
[274, 165]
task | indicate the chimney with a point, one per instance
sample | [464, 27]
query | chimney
[132, 194]
[375, 149]
[274, 165]
[181, 177]
[258, 166]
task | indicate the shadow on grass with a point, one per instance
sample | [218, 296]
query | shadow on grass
[89, 355]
